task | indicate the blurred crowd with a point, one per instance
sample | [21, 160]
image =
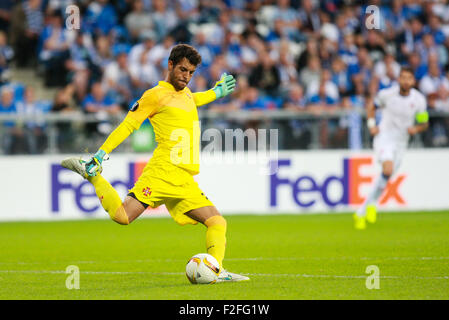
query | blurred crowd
[306, 56]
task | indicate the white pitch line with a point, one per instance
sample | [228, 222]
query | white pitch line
[296, 275]
[237, 259]
[91, 272]
[336, 258]
[340, 276]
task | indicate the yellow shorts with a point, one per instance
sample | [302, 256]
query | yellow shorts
[178, 191]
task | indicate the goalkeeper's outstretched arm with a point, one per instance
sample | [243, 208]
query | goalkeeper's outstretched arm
[120, 133]
[222, 88]
[141, 110]
[126, 127]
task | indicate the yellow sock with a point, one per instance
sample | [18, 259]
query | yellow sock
[109, 199]
[216, 237]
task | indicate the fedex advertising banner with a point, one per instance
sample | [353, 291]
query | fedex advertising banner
[335, 190]
[38, 188]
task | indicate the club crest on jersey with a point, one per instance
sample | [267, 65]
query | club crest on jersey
[135, 106]
[146, 192]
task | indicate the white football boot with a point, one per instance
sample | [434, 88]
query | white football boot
[226, 276]
[77, 166]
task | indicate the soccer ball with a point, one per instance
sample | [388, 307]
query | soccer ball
[202, 268]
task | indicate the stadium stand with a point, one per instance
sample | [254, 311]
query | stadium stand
[310, 65]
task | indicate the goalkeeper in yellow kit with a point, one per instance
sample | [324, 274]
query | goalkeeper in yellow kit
[168, 176]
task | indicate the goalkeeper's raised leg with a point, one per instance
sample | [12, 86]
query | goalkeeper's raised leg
[121, 212]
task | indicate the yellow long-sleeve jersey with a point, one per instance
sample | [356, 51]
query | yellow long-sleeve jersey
[174, 117]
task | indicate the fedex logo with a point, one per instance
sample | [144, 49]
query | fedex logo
[83, 190]
[350, 180]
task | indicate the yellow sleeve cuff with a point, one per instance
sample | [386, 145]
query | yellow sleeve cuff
[205, 97]
[120, 133]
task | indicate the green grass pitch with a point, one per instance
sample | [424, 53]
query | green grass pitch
[286, 256]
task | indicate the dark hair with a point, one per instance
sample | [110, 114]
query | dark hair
[407, 69]
[181, 51]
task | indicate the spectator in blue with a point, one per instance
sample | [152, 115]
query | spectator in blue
[100, 17]
[187, 10]
[407, 40]
[138, 21]
[355, 105]
[102, 106]
[210, 11]
[330, 6]
[412, 10]
[5, 14]
[206, 49]
[55, 51]
[164, 18]
[348, 50]
[250, 27]
[97, 101]
[387, 70]
[255, 103]
[362, 71]
[286, 65]
[34, 126]
[276, 33]
[250, 49]
[147, 42]
[288, 19]
[311, 51]
[102, 53]
[297, 131]
[12, 137]
[340, 76]
[6, 55]
[309, 17]
[388, 80]
[321, 99]
[218, 32]
[433, 80]
[237, 6]
[159, 53]
[426, 46]
[27, 20]
[253, 100]
[62, 105]
[396, 18]
[265, 76]
[232, 51]
[117, 79]
[343, 27]
[330, 88]
[434, 28]
[119, 38]
[143, 72]
[200, 84]
[418, 67]
[320, 103]
[81, 65]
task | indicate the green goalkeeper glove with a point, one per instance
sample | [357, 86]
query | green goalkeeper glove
[93, 166]
[224, 86]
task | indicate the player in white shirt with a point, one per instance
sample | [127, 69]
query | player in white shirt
[403, 115]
